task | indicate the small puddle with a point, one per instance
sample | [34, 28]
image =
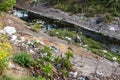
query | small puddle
[112, 43]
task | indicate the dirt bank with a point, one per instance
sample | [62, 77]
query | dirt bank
[83, 61]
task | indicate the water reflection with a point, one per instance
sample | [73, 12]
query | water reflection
[20, 13]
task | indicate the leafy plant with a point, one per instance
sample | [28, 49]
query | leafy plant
[35, 43]
[48, 56]
[64, 73]
[68, 55]
[24, 59]
[47, 49]
[57, 59]
[47, 69]
[66, 64]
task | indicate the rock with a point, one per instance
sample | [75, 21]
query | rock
[75, 75]
[111, 28]
[99, 20]
[99, 73]
[115, 64]
[85, 46]
[114, 58]
[78, 39]
[29, 42]
[17, 41]
[105, 51]
[81, 78]
[57, 32]
[9, 30]
[67, 38]
[13, 37]
[58, 66]
[54, 49]
[72, 74]
[31, 51]
[22, 39]
[41, 43]
[11, 65]
[37, 41]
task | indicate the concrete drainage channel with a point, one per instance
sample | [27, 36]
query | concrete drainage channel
[112, 43]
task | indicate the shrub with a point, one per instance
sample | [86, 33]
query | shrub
[24, 59]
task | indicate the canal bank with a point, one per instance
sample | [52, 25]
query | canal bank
[112, 43]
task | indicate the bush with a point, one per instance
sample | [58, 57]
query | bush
[6, 4]
[24, 59]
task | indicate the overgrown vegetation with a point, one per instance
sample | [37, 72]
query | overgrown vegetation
[89, 7]
[24, 59]
[6, 5]
[92, 45]
[62, 34]
[46, 65]
[5, 52]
